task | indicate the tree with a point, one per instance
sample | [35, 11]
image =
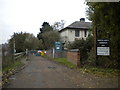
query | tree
[19, 39]
[23, 41]
[58, 25]
[45, 27]
[105, 17]
[31, 42]
[50, 37]
[47, 35]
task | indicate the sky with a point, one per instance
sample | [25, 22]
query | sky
[29, 15]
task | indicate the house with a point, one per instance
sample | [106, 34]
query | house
[75, 31]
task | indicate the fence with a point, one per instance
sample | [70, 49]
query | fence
[9, 58]
[61, 54]
[18, 55]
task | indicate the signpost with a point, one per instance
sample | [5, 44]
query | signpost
[57, 47]
[103, 47]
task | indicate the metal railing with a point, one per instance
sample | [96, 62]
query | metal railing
[18, 55]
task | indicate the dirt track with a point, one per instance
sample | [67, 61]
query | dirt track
[43, 73]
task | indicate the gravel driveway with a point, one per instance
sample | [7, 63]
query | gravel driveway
[43, 73]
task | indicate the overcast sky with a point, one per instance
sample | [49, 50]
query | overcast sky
[28, 15]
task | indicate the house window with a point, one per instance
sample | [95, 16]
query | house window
[85, 34]
[77, 33]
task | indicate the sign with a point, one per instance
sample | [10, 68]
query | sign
[58, 46]
[103, 47]
[103, 51]
[102, 43]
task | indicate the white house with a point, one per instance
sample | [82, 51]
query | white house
[75, 31]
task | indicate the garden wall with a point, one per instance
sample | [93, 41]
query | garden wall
[72, 56]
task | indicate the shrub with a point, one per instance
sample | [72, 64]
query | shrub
[84, 46]
[91, 59]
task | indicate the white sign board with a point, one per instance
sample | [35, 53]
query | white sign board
[103, 51]
[57, 47]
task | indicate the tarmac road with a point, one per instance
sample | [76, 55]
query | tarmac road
[43, 73]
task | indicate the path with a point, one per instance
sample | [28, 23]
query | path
[43, 73]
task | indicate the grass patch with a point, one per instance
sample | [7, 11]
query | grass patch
[17, 64]
[101, 71]
[65, 62]
[10, 69]
[8, 63]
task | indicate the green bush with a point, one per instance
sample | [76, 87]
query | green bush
[90, 59]
[84, 46]
[106, 62]
[6, 61]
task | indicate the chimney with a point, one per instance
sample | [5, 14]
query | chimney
[82, 19]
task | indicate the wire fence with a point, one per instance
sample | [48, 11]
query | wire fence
[8, 57]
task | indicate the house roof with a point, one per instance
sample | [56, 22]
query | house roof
[78, 25]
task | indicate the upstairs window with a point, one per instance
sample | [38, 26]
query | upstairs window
[77, 32]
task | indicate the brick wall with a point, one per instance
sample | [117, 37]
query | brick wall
[73, 56]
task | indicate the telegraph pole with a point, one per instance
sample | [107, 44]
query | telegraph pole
[95, 44]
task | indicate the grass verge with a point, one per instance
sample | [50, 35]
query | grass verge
[14, 65]
[10, 70]
[101, 72]
[63, 61]
[106, 72]
[17, 64]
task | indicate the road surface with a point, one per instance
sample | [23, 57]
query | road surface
[43, 73]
